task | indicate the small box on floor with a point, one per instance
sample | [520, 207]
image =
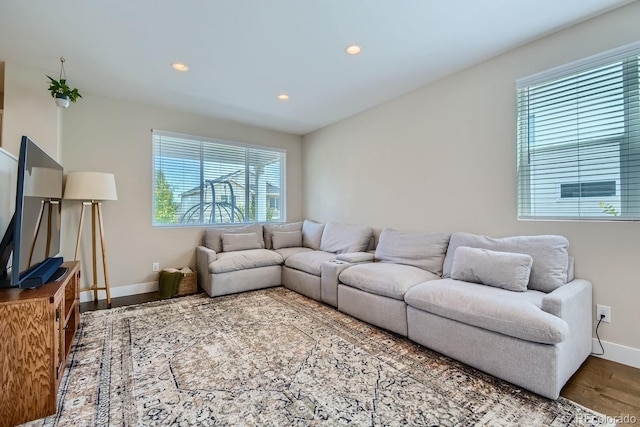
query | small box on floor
[189, 282]
[177, 282]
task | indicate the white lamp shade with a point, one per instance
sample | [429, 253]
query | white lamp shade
[90, 186]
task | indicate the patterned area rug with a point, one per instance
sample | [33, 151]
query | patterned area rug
[273, 358]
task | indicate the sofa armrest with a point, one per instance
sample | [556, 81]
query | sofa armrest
[204, 257]
[356, 257]
[330, 271]
[573, 304]
[567, 299]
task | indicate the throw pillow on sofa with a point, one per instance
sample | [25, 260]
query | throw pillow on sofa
[550, 255]
[311, 234]
[418, 249]
[232, 242]
[213, 236]
[503, 270]
[269, 229]
[286, 239]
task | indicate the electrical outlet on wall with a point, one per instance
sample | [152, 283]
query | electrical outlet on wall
[603, 310]
[155, 266]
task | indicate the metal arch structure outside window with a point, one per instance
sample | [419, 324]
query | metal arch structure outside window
[205, 181]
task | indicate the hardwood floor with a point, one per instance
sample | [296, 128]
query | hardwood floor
[119, 302]
[607, 387]
[604, 386]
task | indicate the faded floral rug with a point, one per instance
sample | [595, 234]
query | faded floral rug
[275, 358]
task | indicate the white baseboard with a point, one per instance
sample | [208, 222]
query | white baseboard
[618, 353]
[121, 291]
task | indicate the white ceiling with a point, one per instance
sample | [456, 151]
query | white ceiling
[243, 53]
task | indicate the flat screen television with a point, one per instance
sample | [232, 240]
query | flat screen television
[31, 243]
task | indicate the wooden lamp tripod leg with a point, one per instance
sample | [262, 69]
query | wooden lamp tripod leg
[94, 209]
[96, 219]
[36, 232]
[75, 257]
[104, 255]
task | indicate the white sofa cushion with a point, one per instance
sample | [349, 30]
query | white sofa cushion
[309, 262]
[213, 236]
[418, 249]
[503, 270]
[232, 242]
[311, 234]
[345, 238]
[286, 239]
[287, 252]
[385, 279]
[356, 257]
[516, 314]
[243, 260]
[550, 255]
[270, 228]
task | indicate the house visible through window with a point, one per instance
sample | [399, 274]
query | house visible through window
[598, 189]
[578, 139]
[200, 180]
[274, 202]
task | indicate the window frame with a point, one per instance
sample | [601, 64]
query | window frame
[229, 143]
[627, 186]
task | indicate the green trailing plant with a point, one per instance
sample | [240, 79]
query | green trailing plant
[608, 209]
[60, 87]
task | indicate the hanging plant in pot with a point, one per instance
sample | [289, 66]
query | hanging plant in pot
[60, 91]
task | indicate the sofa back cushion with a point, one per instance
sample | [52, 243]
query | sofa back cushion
[418, 249]
[213, 236]
[286, 239]
[550, 255]
[232, 242]
[270, 228]
[344, 238]
[311, 234]
[505, 270]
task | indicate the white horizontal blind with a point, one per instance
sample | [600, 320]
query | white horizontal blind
[200, 180]
[578, 140]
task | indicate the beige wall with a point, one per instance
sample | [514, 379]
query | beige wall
[442, 158]
[29, 110]
[106, 135]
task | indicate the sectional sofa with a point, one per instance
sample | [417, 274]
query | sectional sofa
[510, 307]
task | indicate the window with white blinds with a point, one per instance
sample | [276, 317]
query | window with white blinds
[578, 139]
[199, 181]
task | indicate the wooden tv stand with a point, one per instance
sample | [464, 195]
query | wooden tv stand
[36, 332]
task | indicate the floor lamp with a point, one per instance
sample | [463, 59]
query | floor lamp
[92, 188]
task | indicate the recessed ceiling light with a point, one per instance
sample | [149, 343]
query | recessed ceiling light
[178, 66]
[353, 49]
[283, 97]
